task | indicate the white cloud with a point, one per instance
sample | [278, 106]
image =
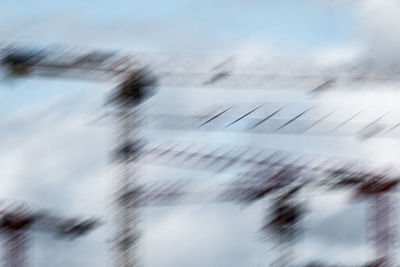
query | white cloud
[53, 158]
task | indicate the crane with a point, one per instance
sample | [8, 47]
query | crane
[182, 70]
[134, 85]
[283, 176]
[267, 122]
[17, 221]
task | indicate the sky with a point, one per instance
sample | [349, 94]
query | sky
[55, 151]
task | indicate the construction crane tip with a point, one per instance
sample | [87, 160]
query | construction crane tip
[19, 62]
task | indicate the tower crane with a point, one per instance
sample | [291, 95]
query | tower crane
[282, 177]
[18, 221]
[134, 84]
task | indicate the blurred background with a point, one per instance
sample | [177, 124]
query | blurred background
[232, 120]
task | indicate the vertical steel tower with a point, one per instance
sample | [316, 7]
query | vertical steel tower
[127, 98]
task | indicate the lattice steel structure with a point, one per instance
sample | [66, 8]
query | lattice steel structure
[17, 222]
[133, 87]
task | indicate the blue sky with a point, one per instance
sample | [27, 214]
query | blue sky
[55, 157]
[292, 27]
[293, 24]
